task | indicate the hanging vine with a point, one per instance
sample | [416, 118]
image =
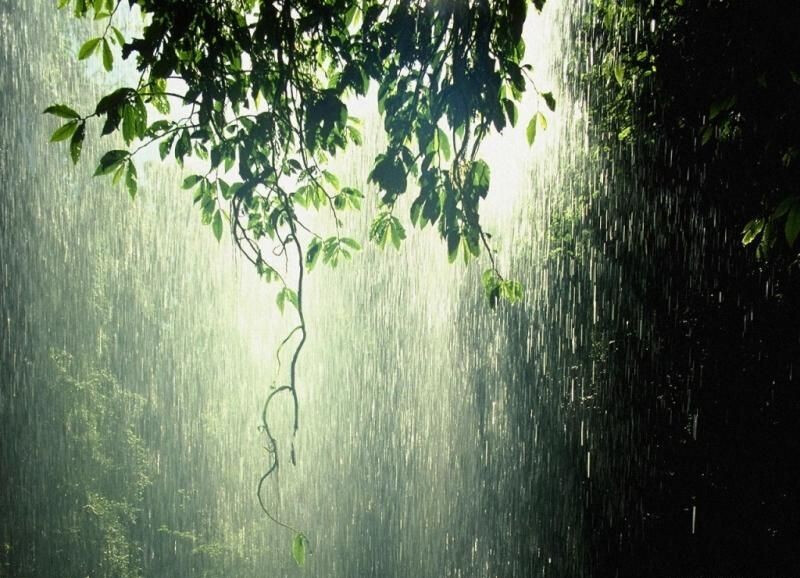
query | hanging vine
[257, 91]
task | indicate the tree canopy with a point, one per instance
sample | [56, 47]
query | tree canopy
[258, 92]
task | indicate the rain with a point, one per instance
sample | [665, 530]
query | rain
[588, 430]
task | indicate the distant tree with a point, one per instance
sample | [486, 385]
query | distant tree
[258, 90]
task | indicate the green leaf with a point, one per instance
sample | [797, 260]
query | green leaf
[284, 295]
[530, 132]
[390, 175]
[110, 161]
[108, 58]
[619, 73]
[542, 120]
[444, 143]
[511, 291]
[183, 147]
[511, 111]
[352, 243]
[721, 105]
[416, 210]
[64, 132]
[453, 241]
[312, 254]
[118, 173]
[191, 181]
[397, 232]
[792, 228]
[118, 35]
[62, 111]
[379, 230]
[752, 230]
[481, 177]
[784, 206]
[88, 48]
[714, 110]
[76, 144]
[331, 178]
[299, 549]
[549, 100]
[353, 197]
[131, 179]
[491, 286]
[128, 123]
[165, 146]
[216, 225]
[708, 132]
[350, 16]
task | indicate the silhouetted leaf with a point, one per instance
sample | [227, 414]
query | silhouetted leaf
[76, 144]
[549, 100]
[110, 161]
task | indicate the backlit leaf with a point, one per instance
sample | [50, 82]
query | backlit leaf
[131, 179]
[216, 225]
[108, 58]
[530, 132]
[76, 144]
[62, 111]
[88, 48]
[64, 132]
[299, 549]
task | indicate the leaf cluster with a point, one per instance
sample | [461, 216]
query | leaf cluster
[256, 93]
[265, 86]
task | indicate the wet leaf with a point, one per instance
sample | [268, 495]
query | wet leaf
[64, 132]
[549, 100]
[444, 143]
[88, 48]
[752, 230]
[191, 181]
[216, 225]
[108, 58]
[76, 144]
[62, 111]
[131, 179]
[110, 161]
[312, 254]
[619, 73]
[530, 132]
[299, 549]
[118, 35]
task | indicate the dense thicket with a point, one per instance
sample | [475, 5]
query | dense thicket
[696, 123]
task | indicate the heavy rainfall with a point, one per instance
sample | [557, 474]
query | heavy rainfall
[632, 415]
